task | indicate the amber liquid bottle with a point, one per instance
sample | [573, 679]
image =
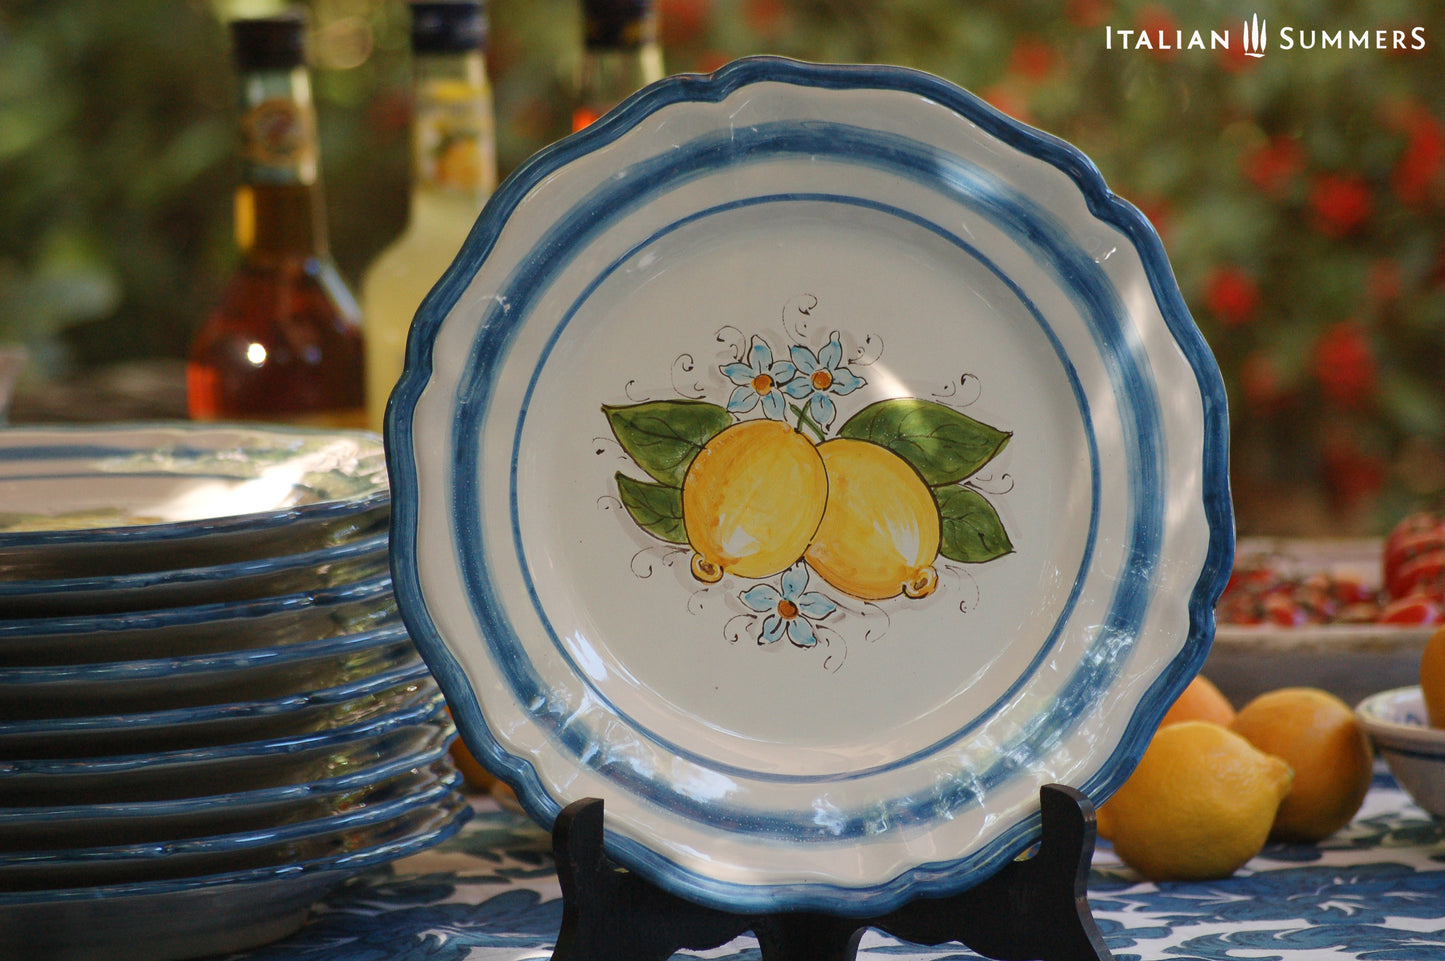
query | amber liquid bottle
[285, 342]
[620, 55]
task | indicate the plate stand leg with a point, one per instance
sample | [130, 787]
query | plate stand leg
[1032, 909]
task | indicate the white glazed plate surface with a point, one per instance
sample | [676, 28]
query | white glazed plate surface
[859, 253]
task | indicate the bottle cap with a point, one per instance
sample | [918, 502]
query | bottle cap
[450, 26]
[618, 23]
[270, 43]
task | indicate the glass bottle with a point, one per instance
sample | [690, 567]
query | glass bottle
[454, 170]
[620, 55]
[285, 342]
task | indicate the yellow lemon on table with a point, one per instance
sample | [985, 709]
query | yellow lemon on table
[752, 500]
[880, 530]
[1199, 805]
[1319, 736]
[1200, 701]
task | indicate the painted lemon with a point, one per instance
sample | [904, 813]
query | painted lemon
[880, 529]
[752, 499]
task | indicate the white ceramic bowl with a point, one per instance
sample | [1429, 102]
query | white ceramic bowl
[1414, 751]
[1352, 661]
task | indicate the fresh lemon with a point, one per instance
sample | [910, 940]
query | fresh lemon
[1432, 678]
[880, 530]
[752, 500]
[1200, 701]
[1198, 806]
[1319, 736]
[472, 771]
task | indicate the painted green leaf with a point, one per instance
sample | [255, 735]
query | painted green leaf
[972, 532]
[942, 444]
[664, 436]
[656, 508]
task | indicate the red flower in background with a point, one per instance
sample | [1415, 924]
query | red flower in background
[1260, 384]
[1158, 212]
[1351, 475]
[1273, 167]
[1032, 59]
[1383, 282]
[1005, 100]
[1344, 364]
[1423, 158]
[1233, 58]
[1231, 295]
[765, 16]
[711, 60]
[1160, 27]
[1342, 203]
[1089, 13]
[680, 22]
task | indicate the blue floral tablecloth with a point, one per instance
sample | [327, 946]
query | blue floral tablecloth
[1376, 890]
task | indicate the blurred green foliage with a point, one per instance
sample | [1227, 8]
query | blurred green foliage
[114, 134]
[1301, 195]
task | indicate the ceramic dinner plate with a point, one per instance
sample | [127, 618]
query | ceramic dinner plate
[197, 629]
[812, 463]
[310, 570]
[71, 826]
[131, 498]
[283, 759]
[202, 682]
[208, 913]
[218, 853]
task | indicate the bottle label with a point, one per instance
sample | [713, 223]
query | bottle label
[455, 142]
[278, 143]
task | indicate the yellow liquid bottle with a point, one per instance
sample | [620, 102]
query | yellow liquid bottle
[454, 170]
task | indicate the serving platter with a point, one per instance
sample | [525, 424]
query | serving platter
[812, 463]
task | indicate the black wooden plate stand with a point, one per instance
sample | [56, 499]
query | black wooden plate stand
[1033, 909]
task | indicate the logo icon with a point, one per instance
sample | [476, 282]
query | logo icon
[1255, 38]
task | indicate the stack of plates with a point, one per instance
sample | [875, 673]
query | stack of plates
[211, 713]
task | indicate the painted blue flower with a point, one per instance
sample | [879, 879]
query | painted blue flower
[815, 376]
[758, 380]
[792, 610]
